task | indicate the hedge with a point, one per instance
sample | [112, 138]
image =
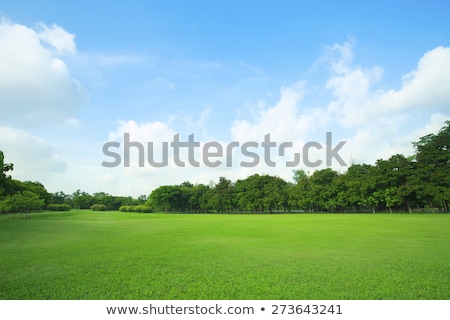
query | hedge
[99, 207]
[141, 209]
[59, 207]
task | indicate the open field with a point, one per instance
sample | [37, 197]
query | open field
[113, 255]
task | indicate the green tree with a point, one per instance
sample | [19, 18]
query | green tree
[433, 167]
[82, 200]
[166, 198]
[4, 167]
[322, 194]
[221, 196]
[39, 189]
[275, 195]
[23, 203]
[392, 197]
[198, 201]
[359, 184]
[298, 193]
[258, 193]
[397, 175]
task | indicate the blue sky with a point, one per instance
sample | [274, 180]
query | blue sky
[74, 76]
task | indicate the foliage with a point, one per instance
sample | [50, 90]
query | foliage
[139, 208]
[22, 202]
[58, 207]
[433, 159]
[167, 199]
[99, 207]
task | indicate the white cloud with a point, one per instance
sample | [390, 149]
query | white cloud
[282, 121]
[375, 123]
[428, 86]
[355, 101]
[57, 38]
[144, 132]
[35, 84]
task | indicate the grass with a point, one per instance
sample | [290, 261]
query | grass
[113, 255]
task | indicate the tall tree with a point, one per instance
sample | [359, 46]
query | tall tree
[396, 180]
[221, 196]
[166, 198]
[433, 166]
[322, 194]
[360, 183]
[298, 192]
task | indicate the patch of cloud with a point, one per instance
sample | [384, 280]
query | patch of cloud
[57, 38]
[36, 86]
[356, 102]
[428, 86]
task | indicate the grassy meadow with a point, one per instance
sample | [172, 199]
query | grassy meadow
[83, 254]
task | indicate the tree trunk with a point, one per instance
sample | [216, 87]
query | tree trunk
[445, 204]
[432, 206]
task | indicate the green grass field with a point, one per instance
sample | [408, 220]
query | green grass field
[113, 255]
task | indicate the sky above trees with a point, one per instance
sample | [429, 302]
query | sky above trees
[75, 76]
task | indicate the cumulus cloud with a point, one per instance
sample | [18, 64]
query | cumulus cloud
[286, 120]
[36, 85]
[355, 101]
[428, 86]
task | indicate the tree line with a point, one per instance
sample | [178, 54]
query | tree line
[421, 181]
[25, 196]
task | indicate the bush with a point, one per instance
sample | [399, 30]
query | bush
[59, 207]
[99, 207]
[141, 209]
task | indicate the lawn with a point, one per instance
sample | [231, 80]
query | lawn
[113, 255]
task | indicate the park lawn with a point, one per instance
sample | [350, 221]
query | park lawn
[83, 254]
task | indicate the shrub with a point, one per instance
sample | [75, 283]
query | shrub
[59, 207]
[141, 208]
[99, 207]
